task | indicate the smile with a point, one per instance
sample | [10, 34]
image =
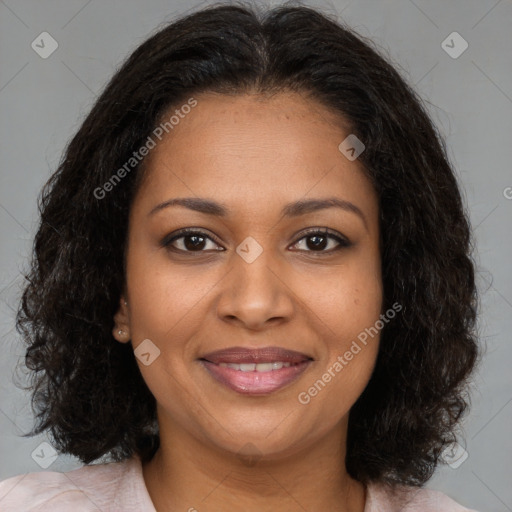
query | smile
[259, 367]
[255, 371]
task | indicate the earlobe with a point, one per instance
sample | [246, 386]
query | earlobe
[121, 330]
[121, 335]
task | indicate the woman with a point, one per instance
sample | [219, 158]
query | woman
[252, 284]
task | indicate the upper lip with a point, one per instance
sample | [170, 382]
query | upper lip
[242, 355]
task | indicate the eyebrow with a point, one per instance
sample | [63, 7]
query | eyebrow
[295, 209]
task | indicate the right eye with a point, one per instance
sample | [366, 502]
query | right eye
[189, 240]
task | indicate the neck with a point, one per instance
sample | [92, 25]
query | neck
[186, 474]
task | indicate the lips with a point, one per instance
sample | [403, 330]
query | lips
[241, 355]
[255, 371]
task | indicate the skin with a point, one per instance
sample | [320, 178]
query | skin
[254, 154]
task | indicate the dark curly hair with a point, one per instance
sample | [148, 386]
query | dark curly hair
[87, 389]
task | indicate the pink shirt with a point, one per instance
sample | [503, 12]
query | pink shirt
[120, 487]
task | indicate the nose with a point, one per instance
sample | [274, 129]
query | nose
[255, 294]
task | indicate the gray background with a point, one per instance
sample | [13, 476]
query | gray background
[42, 103]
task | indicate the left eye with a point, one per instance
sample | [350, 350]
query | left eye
[197, 241]
[319, 240]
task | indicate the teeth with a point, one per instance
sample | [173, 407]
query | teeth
[268, 367]
[260, 367]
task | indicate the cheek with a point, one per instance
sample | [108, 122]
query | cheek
[346, 300]
[348, 307]
[348, 316]
[354, 305]
[165, 298]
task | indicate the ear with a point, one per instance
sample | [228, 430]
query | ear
[121, 330]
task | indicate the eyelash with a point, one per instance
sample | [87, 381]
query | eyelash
[325, 232]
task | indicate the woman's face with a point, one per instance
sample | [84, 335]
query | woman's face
[254, 277]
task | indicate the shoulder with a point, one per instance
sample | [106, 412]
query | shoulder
[89, 488]
[382, 498]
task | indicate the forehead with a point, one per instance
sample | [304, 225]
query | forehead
[249, 150]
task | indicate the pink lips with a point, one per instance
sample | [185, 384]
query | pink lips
[255, 382]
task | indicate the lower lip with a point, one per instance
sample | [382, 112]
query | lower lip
[255, 383]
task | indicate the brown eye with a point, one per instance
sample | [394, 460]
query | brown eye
[190, 241]
[322, 241]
